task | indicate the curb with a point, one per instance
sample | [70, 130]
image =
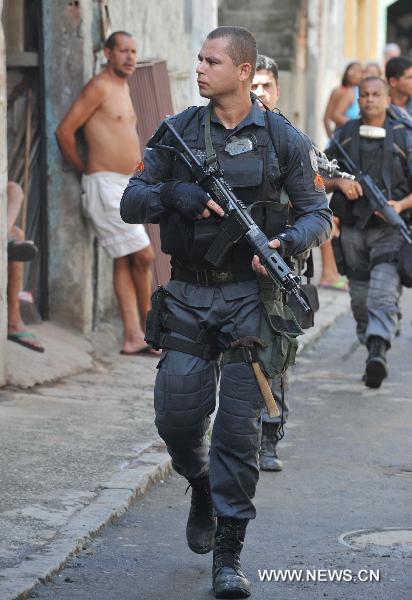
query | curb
[113, 499]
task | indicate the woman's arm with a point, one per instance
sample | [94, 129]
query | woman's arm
[338, 114]
[328, 111]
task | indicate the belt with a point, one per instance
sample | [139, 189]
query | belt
[210, 276]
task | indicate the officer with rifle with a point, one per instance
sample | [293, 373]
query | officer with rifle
[212, 179]
[266, 87]
[374, 211]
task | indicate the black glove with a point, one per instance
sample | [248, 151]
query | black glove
[187, 198]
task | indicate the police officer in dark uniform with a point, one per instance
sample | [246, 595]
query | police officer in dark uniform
[212, 312]
[265, 86]
[381, 148]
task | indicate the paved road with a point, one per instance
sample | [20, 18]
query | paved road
[347, 457]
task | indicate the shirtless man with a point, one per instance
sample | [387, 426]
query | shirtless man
[104, 110]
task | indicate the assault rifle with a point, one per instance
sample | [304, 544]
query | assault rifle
[375, 197]
[237, 223]
[330, 168]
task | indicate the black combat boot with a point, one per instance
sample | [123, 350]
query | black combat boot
[201, 524]
[228, 579]
[268, 457]
[376, 364]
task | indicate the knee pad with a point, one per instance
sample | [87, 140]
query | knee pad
[237, 422]
[183, 404]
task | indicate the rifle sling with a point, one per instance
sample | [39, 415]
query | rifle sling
[211, 158]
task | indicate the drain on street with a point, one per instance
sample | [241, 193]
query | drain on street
[390, 540]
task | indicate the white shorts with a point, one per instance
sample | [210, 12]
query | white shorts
[102, 192]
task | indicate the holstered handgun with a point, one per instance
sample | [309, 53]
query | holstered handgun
[154, 318]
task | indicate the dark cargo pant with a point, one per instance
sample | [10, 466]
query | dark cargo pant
[374, 302]
[185, 396]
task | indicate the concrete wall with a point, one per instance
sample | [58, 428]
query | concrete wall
[305, 37]
[3, 205]
[68, 61]
[280, 31]
[170, 29]
[204, 20]
[273, 22]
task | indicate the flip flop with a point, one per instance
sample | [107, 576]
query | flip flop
[20, 337]
[147, 350]
[21, 250]
[339, 286]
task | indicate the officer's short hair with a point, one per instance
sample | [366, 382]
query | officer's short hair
[242, 47]
[396, 66]
[264, 63]
[110, 43]
[374, 78]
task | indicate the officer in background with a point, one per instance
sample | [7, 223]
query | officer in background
[211, 312]
[266, 81]
[266, 87]
[381, 148]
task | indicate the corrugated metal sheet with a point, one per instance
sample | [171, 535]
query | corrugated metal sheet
[152, 101]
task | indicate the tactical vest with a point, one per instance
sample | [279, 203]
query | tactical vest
[256, 178]
[394, 170]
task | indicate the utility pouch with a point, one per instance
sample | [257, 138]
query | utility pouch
[339, 256]
[176, 235]
[405, 264]
[271, 217]
[230, 232]
[154, 327]
[305, 319]
[278, 332]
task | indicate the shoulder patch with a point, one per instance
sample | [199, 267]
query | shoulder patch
[139, 168]
[318, 184]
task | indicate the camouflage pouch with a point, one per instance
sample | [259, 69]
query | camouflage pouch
[278, 331]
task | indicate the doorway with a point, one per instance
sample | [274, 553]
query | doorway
[26, 142]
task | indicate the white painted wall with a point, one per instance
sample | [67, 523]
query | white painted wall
[325, 61]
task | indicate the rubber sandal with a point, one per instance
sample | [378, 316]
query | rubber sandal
[21, 250]
[20, 337]
[339, 286]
